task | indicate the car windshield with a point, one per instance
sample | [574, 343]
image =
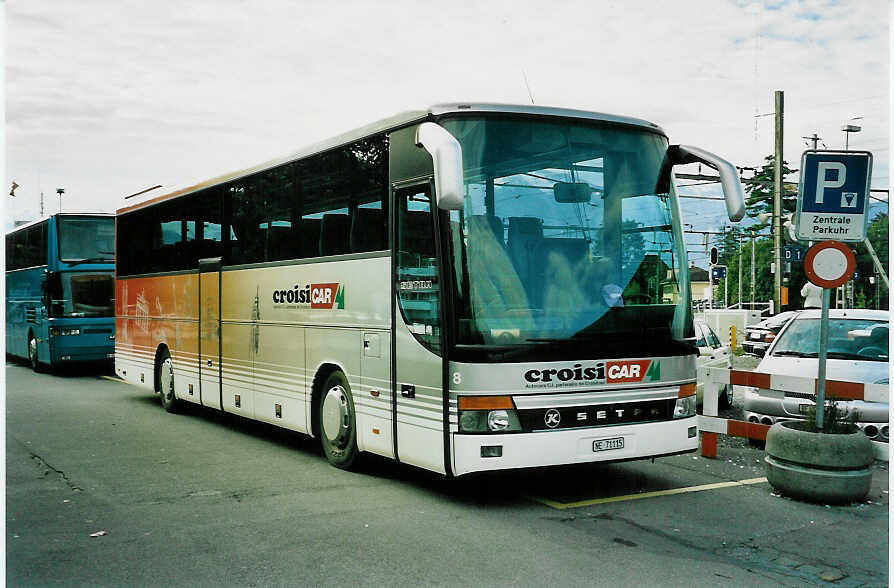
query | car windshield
[713, 341]
[859, 339]
[563, 238]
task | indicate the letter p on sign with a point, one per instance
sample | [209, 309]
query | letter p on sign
[822, 181]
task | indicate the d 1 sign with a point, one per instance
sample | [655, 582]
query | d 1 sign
[833, 195]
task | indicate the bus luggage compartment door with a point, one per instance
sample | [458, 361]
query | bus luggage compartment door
[209, 331]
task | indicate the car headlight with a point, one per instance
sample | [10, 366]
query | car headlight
[488, 414]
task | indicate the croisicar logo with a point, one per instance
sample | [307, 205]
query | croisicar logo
[599, 372]
[326, 296]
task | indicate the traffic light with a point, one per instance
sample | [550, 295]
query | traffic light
[713, 256]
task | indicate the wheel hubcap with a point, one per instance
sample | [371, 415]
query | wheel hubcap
[167, 379]
[336, 416]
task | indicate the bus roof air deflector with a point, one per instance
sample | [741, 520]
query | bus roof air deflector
[447, 156]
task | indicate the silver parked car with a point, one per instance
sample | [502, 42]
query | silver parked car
[857, 352]
[712, 353]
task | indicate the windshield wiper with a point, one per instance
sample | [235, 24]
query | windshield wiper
[88, 260]
[848, 355]
[793, 354]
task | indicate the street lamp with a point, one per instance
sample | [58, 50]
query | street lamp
[848, 129]
[60, 191]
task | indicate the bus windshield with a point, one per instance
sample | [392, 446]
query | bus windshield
[86, 240]
[563, 240]
[81, 294]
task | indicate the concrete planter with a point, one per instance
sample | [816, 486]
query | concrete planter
[818, 467]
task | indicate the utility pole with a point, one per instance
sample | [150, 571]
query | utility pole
[739, 244]
[777, 204]
[752, 270]
[814, 139]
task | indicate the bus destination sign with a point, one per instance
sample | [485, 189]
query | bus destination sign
[833, 195]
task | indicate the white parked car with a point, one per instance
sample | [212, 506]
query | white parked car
[712, 353]
[857, 352]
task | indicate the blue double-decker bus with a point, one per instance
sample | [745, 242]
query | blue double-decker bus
[60, 287]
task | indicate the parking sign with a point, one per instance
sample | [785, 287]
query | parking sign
[833, 195]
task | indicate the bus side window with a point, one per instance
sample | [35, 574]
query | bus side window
[10, 250]
[203, 231]
[245, 219]
[417, 270]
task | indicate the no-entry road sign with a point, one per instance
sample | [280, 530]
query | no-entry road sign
[829, 264]
[833, 195]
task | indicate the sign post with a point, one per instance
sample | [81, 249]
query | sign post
[828, 264]
[833, 199]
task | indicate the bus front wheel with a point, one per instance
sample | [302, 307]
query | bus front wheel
[32, 353]
[166, 383]
[336, 422]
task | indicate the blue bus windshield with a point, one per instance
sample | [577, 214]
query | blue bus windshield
[83, 239]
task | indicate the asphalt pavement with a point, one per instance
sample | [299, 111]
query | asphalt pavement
[104, 488]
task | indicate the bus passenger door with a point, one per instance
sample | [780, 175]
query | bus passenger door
[418, 394]
[209, 332]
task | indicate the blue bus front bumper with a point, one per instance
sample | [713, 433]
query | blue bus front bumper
[95, 341]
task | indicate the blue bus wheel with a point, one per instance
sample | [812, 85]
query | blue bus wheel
[32, 353]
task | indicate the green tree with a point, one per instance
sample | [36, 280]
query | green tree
[728, 254]
[760, 191]
[877, 232]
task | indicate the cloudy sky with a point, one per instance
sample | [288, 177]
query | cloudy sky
[106, 98]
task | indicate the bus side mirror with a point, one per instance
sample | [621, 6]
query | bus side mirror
[447, 156]
[729, 176]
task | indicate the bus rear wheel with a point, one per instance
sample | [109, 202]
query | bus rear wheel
[337, 423]
[166, 383]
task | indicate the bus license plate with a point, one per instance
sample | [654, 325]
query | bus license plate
[606, 444]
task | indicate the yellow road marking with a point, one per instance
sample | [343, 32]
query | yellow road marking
[565, 505]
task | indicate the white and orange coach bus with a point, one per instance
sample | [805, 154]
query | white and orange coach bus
[466, 288]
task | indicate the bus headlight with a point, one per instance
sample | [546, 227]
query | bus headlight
[684, 407]
[487, 414]
[489, 421]
[58, 332]
[498, 420]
